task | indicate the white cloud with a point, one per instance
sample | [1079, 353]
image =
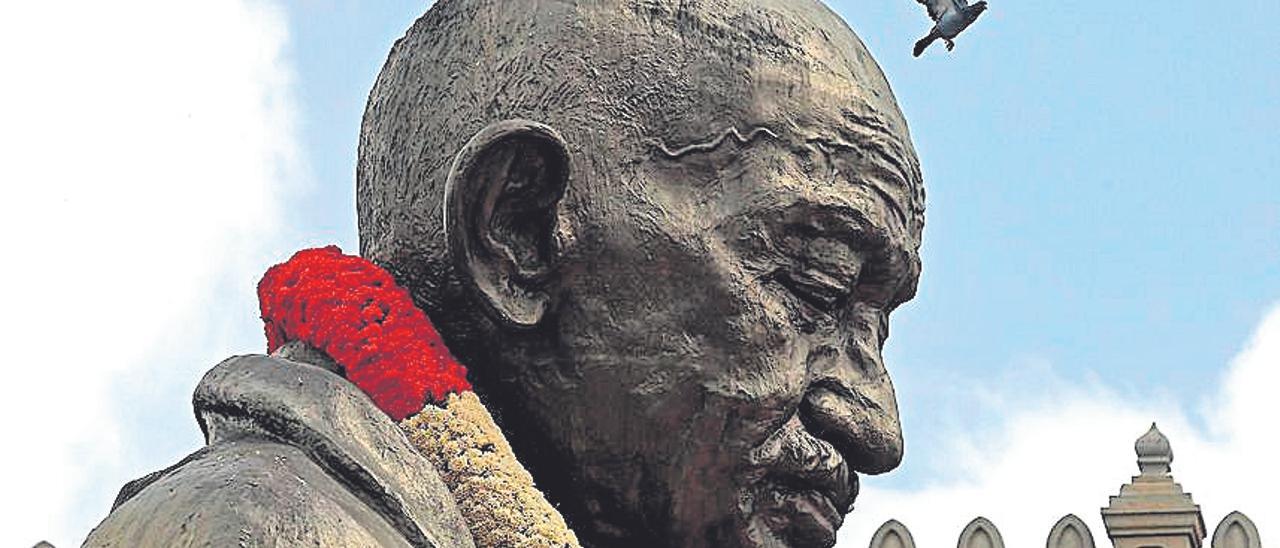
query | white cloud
[148, 148]
[1064, 449]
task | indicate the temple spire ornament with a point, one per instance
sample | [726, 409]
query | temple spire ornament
[1152, 509]
[1154, 453]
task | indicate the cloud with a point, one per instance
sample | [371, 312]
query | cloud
[149, 149]
[1064, 449]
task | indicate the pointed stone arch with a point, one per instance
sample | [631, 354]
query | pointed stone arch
[1070, 532]
[893, 534]
[1236, 531]
[980, 533]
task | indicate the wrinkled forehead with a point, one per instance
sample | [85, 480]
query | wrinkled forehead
[789, 71]
[843, 161]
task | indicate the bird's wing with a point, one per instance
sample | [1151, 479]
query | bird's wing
[938, 8]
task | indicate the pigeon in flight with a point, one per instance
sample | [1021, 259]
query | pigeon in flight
[950, 18]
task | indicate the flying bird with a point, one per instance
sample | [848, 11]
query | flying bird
[950, 17]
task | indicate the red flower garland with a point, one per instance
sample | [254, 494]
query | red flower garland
[354, 311]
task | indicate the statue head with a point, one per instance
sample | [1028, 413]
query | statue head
[665, 236]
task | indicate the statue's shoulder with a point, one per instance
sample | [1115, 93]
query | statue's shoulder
[296, 455]
[244, 493]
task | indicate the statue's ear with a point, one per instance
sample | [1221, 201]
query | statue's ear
[500, 216]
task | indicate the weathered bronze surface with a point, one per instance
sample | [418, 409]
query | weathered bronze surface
[665, 236]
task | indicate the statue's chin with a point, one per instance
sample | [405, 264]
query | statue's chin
[799, 518]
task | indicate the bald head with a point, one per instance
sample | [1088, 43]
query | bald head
[616, 78]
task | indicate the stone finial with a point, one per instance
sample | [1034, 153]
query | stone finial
[1154, 453]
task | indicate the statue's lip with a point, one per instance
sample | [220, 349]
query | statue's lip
[810, 463]
[812, 483]
[827, 519]
[841, 486]
[812, 517]
[855, 487]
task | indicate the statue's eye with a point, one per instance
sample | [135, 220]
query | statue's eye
[816, 289]
[820, 259]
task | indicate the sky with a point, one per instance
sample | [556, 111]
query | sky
[1102, 246]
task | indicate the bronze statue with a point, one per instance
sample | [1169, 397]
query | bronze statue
[664, 236]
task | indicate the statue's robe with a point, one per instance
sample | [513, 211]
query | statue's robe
[295, 456]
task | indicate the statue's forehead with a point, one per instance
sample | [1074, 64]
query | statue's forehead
[686, 71]
[856, 160]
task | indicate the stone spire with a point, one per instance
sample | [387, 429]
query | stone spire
[1152, 509]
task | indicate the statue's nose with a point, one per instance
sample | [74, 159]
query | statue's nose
[854, 408]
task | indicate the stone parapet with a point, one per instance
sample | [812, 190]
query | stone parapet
[1151, 511]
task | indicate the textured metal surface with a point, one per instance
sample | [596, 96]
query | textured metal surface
[296, 456]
